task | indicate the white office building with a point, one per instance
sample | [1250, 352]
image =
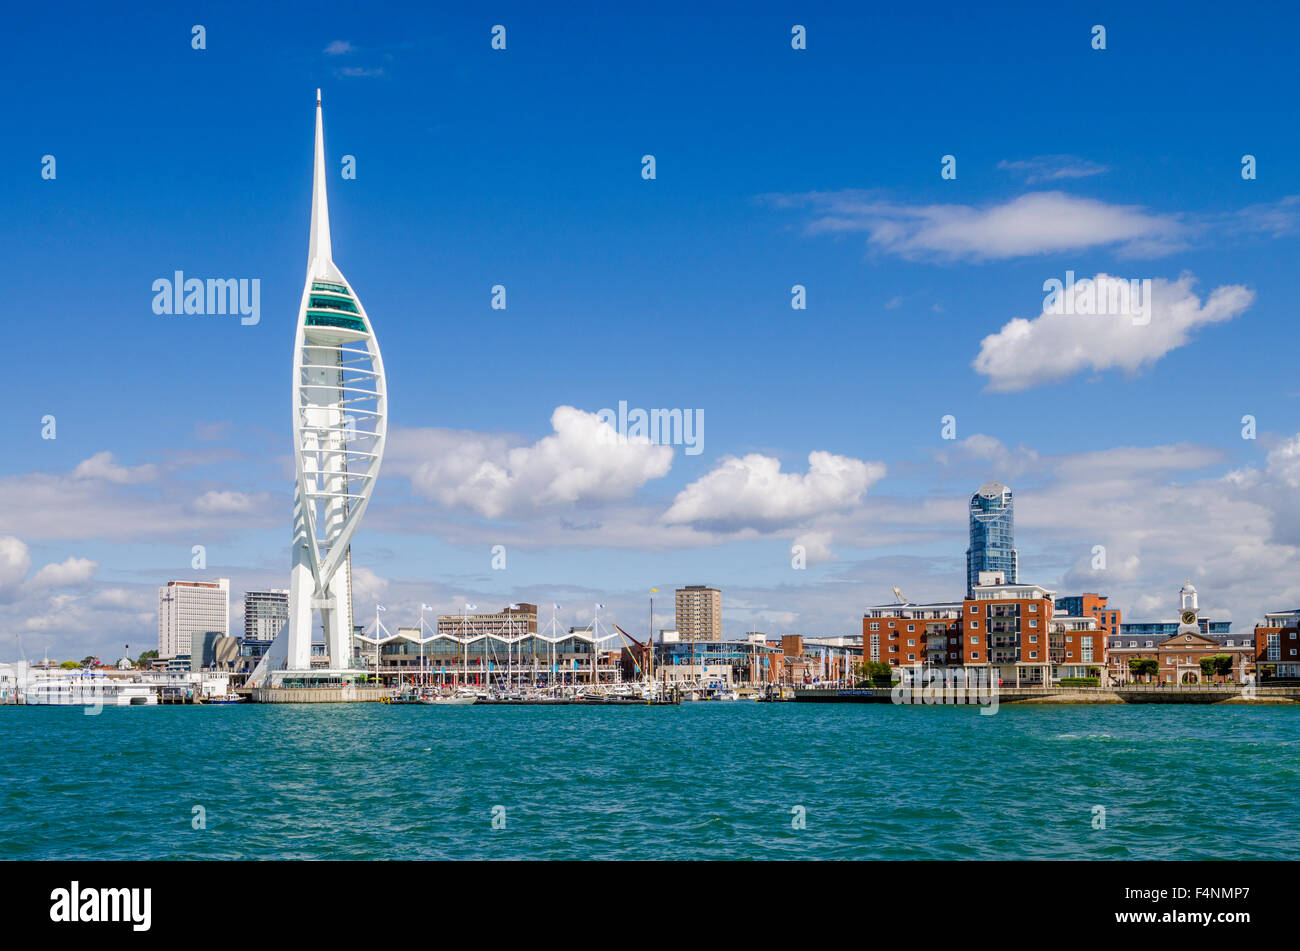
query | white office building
[265, 613]
[189, 609]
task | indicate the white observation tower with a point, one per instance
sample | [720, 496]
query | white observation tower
[340, 420]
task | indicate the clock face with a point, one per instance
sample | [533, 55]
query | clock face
[1189, 617]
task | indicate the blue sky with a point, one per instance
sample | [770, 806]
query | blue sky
[774, 167]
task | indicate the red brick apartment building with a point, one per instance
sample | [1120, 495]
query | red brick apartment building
[1277, 646]
[905, 633]
[1012, 630]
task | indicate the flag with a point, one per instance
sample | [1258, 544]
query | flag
[556, 606]
[470, 607]
[654, 590]
[514, 607]
[380, 607]
[600, 607]
[426, 607]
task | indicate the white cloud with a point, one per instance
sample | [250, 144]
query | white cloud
[225, 503]
[583, 460]
[1050, 168]
[15, 562]
[816, 546]
[1035, 223]
[338, 48]
[119, 598]
[753, 492]
[1026, 353]
[101, 467]
[72, 571]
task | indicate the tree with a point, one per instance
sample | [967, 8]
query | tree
[69, 665]
[1143, 667]
[873, 670]
[1207, 666]
[1222, 664]
[145, 657]
[90, 660]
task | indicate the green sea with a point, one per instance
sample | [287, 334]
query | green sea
[699, 781]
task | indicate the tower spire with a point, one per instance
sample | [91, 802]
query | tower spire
[319, 253]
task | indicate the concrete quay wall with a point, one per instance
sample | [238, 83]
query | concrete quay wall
[1054, 695]
[318, 694]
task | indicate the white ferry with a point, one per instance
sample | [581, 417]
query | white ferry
[86, 690]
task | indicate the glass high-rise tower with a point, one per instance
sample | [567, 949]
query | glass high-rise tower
[992, 535]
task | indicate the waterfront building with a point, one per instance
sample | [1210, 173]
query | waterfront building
[699, 613]
[1178, 644]
[1006, 628]
[498, 649]
[189, 609]
[819, 660]
[1076, 645]
[1277, 646]
[992, 535]
[340, 424]
[904, 633]
[265, 613]
[747, 662]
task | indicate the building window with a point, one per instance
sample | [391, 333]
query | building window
[875, 625]
[974, 638]
[1033, 622]
[911, 657]
[1033, 609]
[911, 642]
[1033, 655]
[1069, 639]
[1033, 638]
[891, 625]
[974, 655]
[911, 627]
[974, 609]
[974, 625]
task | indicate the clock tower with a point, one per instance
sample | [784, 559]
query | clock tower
[1189, 616]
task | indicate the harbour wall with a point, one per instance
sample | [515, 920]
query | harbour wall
[317, 694]
[1049, 695]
